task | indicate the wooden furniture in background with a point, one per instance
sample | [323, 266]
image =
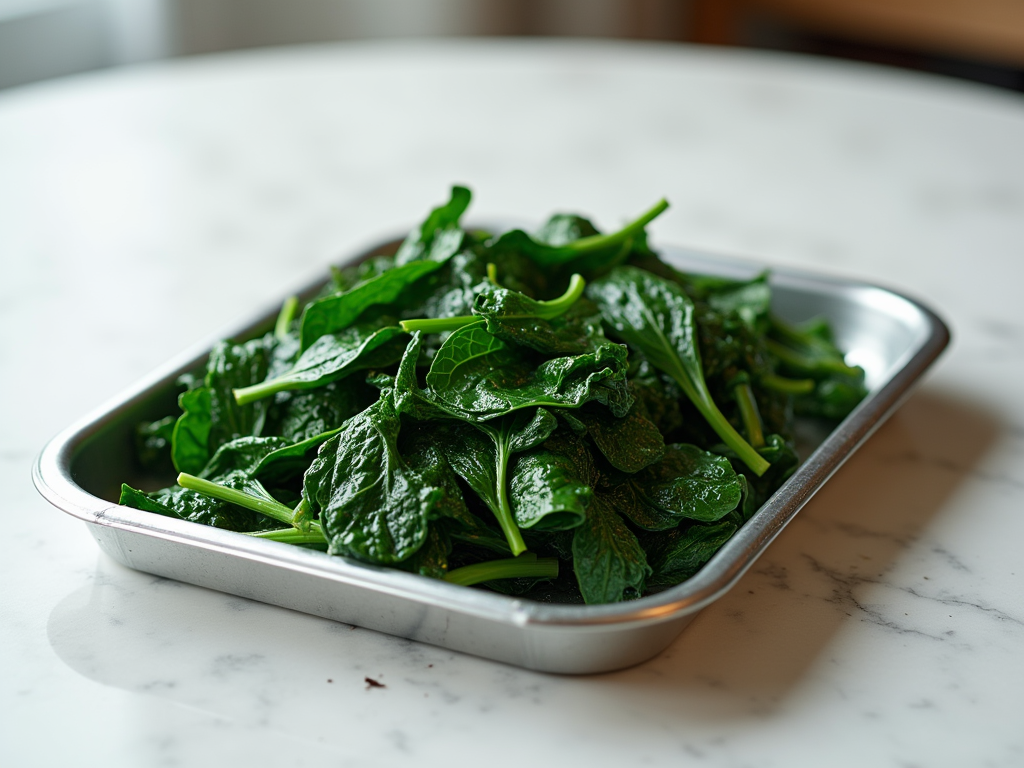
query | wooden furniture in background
[989, 31]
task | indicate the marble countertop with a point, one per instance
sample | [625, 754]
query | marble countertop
[144, 208]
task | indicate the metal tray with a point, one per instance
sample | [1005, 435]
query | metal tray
[80, 471]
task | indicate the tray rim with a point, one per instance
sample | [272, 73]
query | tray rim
[53, 478]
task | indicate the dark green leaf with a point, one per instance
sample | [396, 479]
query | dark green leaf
[188, 505]
[480, 455]
[422, 452]
[630, 443]
[784, 460]
[211, 417]
[336, 313]
[334, 356]
[446, 292]
[576, 332]
[564, 228]
[686, 484]
[655, 316]
[431, 559]
[303, 414]
[372, 505]
[832, 398]
[547, 492]
[440, 236]
[291, 458]
[242, 454]
[231, 367]
[680, 554]
[477, 376]
[749, 300]
[584, 253]
[610, 564]
[190, 445]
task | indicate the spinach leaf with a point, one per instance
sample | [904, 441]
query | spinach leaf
[301, 414]
[610, 564]
[518, 272]
[231, 467]
[348, 277]
[564, 228]
[658, 394]
[827, 386]
[419, 447]
[446, 292]
[243, 454]
[480, 453]
[423, 252]
[291, 458]
[598, 249]
[547, 493]
[476, 376]
[832, 398]
[240, 489]
[372, 505]
[655, 316]
[336, 313]
[677, 555]
[431, 559]
[333, 356]
[233, 366]
[809, 350]
[782, 455]
[440, 236]
[186, 504]
[210, 416]
[497, 305]
[686, 484]
[576, 332]
[749, 300]
[190, 438]
[630, 443]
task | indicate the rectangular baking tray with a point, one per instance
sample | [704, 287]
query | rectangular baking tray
[80, 471]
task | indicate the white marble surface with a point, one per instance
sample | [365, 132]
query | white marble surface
[142, 209]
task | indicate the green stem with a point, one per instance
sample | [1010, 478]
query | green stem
[801, 348]
[527, 565]
[292, 536]
[746, 452]
[265, 506]
[437, 324]
[547, 310]
[697, 392]
[787, 386]
[285, 317]
[302, 516]
[598, 242]
[749, 413]
[245, 395]
[555, 307]
[506, 519]
[810, 364]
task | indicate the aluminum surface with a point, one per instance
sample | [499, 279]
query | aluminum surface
[80, 471]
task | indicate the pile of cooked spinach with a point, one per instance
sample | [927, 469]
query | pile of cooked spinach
[550, 413]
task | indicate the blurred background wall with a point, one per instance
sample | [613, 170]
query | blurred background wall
[980, 40]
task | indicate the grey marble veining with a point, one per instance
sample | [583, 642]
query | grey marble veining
[884, 627]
